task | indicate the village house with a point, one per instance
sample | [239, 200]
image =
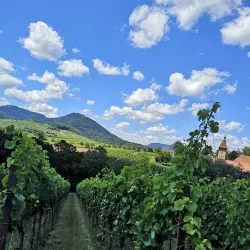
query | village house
[242, 161]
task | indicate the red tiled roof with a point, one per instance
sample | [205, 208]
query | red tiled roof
[244, 162]
[232, 163]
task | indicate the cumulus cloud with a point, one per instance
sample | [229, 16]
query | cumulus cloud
[141, 96]
[197, 84]
[230, 89]
[196, 107]
[159, 129]
[145, 140]
[122, 125]
[85, 112]
[237, 32]
[137, 75]
[149, 25]
[75, 50]
[155, 86]
[90, 102]
[106, 69]
[188, 12]
[43, 42]
[55, 89]
[167, 109]
[130, 113]
[7, 80]
[3, 101]
[231, 126]
[153, 113]
[72, 67]
[42, 108]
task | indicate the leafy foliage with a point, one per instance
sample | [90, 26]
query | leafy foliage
[149, 207]
[38, 185]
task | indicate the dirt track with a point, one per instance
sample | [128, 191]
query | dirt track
[71, 231]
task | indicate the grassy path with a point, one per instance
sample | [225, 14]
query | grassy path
[71, 230]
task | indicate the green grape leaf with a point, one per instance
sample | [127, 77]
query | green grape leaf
[9, 144]
[20, 197]
[10, 130]
[200, 247]
[179, 205]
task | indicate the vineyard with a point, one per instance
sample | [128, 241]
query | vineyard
[131, 204]
[171, 210]
[118, 158]
[31, 191]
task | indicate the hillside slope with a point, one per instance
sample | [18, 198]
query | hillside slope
[51, 133]
[74, 122]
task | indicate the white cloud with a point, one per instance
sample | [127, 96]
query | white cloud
[88, 113]
[155, 86]
[7, 80]
[141, 96]
[43, 42]
[42, 108]
[230, 89]
[3, 101]
[72, 67]
[196, 107]
[123, 125]
[90, 102]
[130, 113]
[55, 89]
[197, 84]
[248, 54]
[159, 129]
[85, 112]
[145, 140]
[167, 109]
[1, 32]
[107, 115]
[75, 50]
[137, 75]
[231, 126]
[153, 113]
[237, 32]
[149, 25]
[188, 12]
[106, 69]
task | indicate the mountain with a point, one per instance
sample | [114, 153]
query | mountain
[74, 122]
[89, 128]
[13, 112]
[162, 146]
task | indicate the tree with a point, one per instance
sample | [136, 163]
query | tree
[178, 147]
[232, 155]
[158, 150]
[63, 146]
[246, 151]
[163, 157]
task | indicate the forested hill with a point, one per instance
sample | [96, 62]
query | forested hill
[74, 122]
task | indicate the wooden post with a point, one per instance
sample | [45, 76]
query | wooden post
[7, 208]
[181, 238]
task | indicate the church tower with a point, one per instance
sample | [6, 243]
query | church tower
[223, 150]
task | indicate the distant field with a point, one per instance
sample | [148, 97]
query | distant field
[52, 135]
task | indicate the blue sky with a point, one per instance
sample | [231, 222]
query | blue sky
[140, 68]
